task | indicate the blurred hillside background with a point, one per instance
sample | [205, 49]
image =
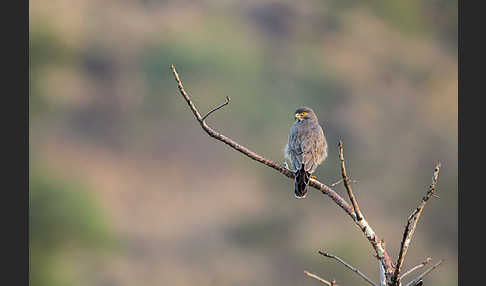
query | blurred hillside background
[127, 189]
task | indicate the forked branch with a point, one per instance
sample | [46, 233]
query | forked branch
[389, 274]
[412, 224]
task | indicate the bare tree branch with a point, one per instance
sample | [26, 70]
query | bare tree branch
[332, 283]
[411, 225]
[354, 269]
[228, 99]
[352, 210]
[336, 183]
[419, 279]
[416, 267]
[340, 181]
[359, 216]
[360, 221]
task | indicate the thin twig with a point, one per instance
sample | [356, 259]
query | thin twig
[340, 181]
[228, 99]
[326, 254]
[359, 216]
[184, 94]
[363, 224]
[320, 279]
[412, 224]
[417, 280]
[369, 233]
[416, 267]
[336, 183]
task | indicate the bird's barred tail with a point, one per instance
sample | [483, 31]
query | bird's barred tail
[301, 181]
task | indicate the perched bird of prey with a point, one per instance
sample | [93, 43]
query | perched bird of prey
[306, 149]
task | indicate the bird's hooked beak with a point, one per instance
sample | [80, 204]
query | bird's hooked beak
[298, 116]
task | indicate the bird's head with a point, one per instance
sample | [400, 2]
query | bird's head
[304, 113]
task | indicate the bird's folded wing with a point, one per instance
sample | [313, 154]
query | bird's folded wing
[309, 153]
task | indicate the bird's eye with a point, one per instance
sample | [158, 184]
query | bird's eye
[303, 113]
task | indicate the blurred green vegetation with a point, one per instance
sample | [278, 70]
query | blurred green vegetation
[105, 111]
[414, 17]
[45, 47]
[62, 217]
[234, 74]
